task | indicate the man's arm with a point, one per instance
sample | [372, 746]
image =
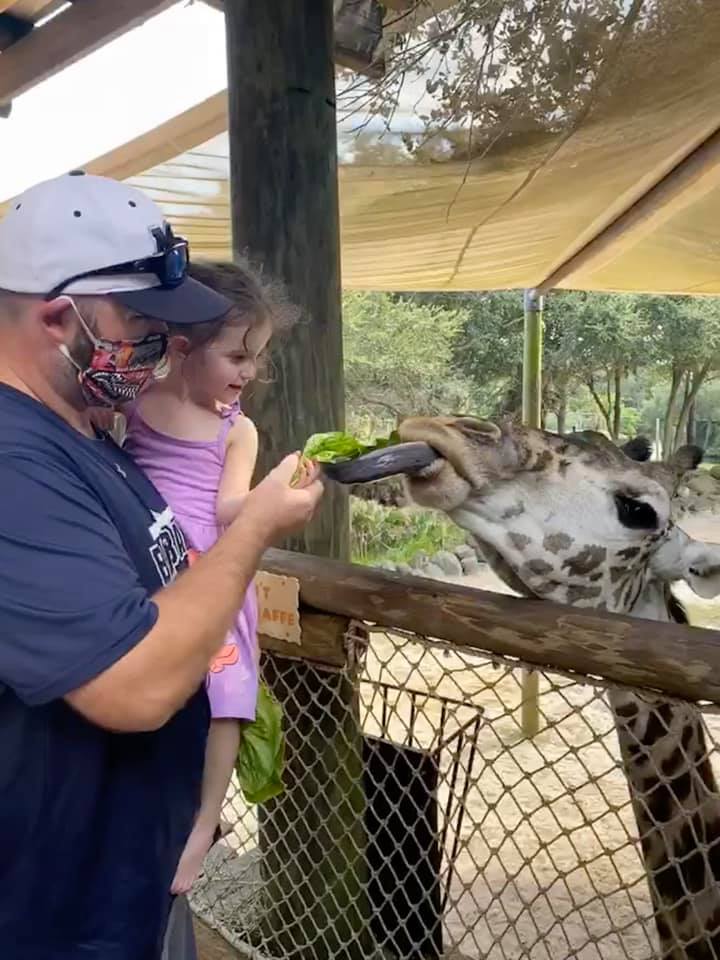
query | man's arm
[143, 689]
[76, 623]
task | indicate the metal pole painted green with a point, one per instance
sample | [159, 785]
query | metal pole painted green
[532, 417]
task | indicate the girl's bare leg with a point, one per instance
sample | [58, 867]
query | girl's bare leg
[220, 756]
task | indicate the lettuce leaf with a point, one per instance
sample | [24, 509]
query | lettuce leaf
[261, 757]
[337, 446]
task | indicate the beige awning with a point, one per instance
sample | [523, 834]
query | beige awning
[623, 194]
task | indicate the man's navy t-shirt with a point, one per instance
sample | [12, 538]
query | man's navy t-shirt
[92, 823]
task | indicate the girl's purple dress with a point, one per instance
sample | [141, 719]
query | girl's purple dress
[187, 474]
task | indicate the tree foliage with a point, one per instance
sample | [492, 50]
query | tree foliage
[685, 337]
[399, 360]
[449, 353]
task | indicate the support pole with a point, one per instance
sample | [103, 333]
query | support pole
[532, 417]
[284, 203]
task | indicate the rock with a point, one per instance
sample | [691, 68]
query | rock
[448, 563]
[472, 542]
[432, 571]
[406, 569]
[471, 566]
[703, 483]
[715, 471]
[463, 551]
[419, 561]
[386, 565]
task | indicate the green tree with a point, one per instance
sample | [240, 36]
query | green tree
[606, 340]
[685, 339]
[593, 339]
[399, 360]
[489, 348]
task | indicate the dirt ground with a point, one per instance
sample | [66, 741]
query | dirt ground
[544, 864]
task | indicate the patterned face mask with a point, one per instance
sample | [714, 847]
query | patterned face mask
[118, 369]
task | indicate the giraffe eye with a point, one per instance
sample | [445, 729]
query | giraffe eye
[635, 514]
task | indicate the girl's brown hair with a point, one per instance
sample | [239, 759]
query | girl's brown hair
[256, 301]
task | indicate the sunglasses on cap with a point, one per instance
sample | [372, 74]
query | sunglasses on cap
[169, 264]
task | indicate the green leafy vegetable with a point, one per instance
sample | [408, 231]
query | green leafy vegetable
[261, 756]
[336, 446]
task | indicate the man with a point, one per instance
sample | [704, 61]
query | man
[103, 713]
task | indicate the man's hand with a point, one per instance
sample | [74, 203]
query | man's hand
[143, 689]
[286, 499]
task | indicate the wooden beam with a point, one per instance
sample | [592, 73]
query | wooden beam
[323, 641]
[680, 661]
[349, 50]
[35, 10]
[80, 30]
[184, 132]
[403, 16]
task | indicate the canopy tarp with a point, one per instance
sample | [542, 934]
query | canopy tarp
[619, 193]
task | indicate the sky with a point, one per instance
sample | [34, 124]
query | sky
[130, 86]
[144, 78]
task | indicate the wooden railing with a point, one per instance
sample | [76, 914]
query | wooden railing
[675, 659]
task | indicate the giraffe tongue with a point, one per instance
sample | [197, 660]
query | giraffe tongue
[408, 458]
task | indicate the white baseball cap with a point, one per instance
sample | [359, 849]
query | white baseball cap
[82, 234]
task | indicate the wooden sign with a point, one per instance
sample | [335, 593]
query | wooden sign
[278, 607]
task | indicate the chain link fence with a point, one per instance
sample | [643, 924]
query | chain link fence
[418, 822]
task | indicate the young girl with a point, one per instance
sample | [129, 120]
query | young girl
[188, 434]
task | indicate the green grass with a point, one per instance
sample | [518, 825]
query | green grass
[389, 535]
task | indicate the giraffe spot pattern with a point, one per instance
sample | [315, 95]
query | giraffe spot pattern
[555, 542]
[589, 559]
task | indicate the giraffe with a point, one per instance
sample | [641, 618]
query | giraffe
[573, 519]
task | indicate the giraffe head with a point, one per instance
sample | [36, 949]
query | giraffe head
[569, 518]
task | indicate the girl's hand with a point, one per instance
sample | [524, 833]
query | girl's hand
[281, 506]
[306, 472]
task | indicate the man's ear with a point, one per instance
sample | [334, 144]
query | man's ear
[57, 318]
[178, 347]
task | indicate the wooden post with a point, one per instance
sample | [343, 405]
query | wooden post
[532, 416]
[284, 203]
[283, 184]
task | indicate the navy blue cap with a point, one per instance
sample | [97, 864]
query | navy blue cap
[189, 302]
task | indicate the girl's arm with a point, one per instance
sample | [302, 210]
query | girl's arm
[240, 457]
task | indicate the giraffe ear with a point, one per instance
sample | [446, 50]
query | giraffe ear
[639, 448]
[685, 459]
[478, 429]
[702, 568]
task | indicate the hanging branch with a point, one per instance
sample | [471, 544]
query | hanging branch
[604, 410]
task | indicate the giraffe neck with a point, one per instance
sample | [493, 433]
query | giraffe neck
[674, 795]
[677, 810]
